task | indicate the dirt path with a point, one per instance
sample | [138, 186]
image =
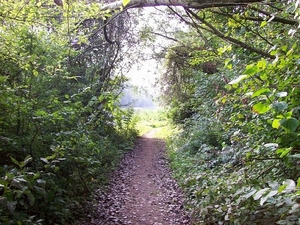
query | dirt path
[142, 191]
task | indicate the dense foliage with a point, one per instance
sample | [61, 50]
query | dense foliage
[61, 130]
[232, 87]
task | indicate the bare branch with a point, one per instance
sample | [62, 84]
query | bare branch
[167, 37]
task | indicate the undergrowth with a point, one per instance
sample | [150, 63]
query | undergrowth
[235, 170]
[236, 155]
[223, 186]
[54, 188]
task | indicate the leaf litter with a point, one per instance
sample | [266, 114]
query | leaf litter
[141, 191]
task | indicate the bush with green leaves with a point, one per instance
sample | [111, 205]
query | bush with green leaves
[61, 130]
[223, 186]
[238, 162]
[237, 153]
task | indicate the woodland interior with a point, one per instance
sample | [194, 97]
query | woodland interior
[229, 93]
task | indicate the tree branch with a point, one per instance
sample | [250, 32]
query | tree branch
[199, 4]
[245, 26]
[232, 40]
[167, 37]
[275, 18]
[105, 33]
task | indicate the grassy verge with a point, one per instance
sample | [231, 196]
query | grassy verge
[149, 119]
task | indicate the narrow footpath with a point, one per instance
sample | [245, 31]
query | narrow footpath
[142, 191]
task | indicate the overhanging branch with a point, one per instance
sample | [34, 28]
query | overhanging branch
[232, 40]
[199, 4]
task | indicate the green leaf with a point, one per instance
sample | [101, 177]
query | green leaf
[297, 156]
[45, 160]
[260, 193]
[281, 94]
[3, 79]
[279, 106]
[40, 190]
[262, 91]
[271, 145]
[276, 123]
[11, 205]
[282, 222]
[290, 185]
[239, 79]
[248, 195]
[282, 188]
[101, 98]
[263, 23]
[41, 113]
[288, 114]
[228, 63]
[269, 195]
[251, 70]
[18, 184]
[263, 76]
[125, 2]
[261, 108]
[31, 198]
[35, 73]
[15, 161]
[290, 124]
[27, 160]
[41, 183]
[282, 152]
[262, 64]
[51, 156]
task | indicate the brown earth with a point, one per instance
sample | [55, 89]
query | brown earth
[141, 191]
